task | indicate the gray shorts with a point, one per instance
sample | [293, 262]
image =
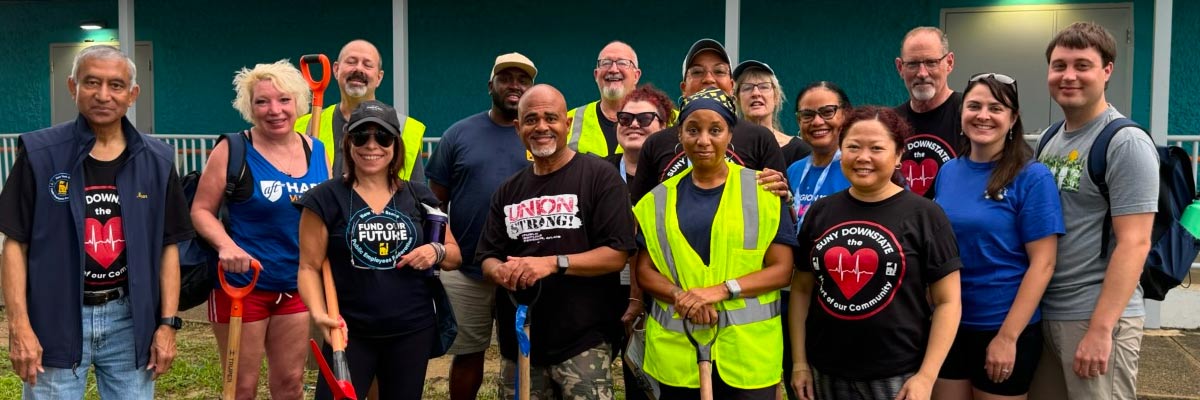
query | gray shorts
[1056, 379]
[473, 302]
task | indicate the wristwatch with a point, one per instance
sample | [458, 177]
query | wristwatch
[563, 263]
[735, 290]
[173, 322]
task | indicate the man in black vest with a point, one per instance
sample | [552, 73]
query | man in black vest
[92, 212]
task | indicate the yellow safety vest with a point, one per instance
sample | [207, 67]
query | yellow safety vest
[585, 135]
[412, 133]
[748, 352]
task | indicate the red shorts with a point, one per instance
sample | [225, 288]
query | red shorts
[256, 306]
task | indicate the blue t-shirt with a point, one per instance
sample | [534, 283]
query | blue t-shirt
[473, 158]
[810, 183]
[992, 233]
[696, 219]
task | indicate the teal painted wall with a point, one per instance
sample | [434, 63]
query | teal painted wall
[1185, 56]
[28, 28]
[858, 54]
[450, 65]
[197, 49]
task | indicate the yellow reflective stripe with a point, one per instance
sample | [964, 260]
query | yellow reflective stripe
[749, 190]
[753, 312]
[660, 225]
[577, 127]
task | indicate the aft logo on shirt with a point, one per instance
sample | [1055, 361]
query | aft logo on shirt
[859, 266]
[274, 190]
[530, 218]
[923, 156]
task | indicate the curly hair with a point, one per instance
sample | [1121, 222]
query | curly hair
[282, 74]
[650, 94]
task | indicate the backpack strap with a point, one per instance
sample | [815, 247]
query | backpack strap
[1049, 133]
[236, 169]
[1097, 165]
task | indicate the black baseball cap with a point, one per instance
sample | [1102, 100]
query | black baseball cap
[750, 64]
[377, 112]
[703, 45]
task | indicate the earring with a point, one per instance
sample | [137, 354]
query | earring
[1009, 133]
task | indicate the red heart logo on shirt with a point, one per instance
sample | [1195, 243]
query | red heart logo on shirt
[103, 242]
[851, 271]
[919, 176]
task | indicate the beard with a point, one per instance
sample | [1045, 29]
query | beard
[508, 111]
[923, 92]
[612, 93]
[356, 91]
[543, 152]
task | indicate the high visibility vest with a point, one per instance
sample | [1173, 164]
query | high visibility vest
[411, 133]
[748, 352]
[585, 135]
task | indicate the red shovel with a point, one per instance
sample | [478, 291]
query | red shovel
[338, 377]
[234, 344]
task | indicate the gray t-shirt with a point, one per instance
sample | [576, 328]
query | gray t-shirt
[1132, 177]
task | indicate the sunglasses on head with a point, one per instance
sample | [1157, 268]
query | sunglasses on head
[382, 137]
[643, 119]
[1005, 79]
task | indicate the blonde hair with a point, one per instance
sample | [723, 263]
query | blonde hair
[759, 73]
[282, 74]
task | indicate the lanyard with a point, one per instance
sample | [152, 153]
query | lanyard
[820, 179]
[623, 175]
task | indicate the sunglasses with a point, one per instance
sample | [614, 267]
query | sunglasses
[1005, 79]
[643, 119]
[382, 137]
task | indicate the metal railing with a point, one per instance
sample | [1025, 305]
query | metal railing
[191, 151]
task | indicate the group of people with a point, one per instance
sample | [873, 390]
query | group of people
[905, 252]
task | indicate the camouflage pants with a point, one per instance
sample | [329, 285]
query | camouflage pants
[587, 376]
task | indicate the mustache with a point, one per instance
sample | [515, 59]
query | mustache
[358, 75]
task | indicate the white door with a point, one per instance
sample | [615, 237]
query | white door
[1012, 41]
[62, 106]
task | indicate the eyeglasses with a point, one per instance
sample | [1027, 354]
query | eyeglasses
[382, 137]
[826, 112]
[932, 64]
[747, 88]
[1005, 79]
[698, 72]
[605, 63]
[643, 119]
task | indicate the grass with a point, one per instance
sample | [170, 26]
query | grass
[196, 372]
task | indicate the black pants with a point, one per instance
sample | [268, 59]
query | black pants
[720, 391]
[399, 363]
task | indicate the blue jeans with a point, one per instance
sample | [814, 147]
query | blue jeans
[107, 345]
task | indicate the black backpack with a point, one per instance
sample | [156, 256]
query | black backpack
[197, 259]
[1172, 248]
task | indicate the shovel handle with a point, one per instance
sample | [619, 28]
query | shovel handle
[318, 87]
[336, 341]
[706, 384]
[236, 294]
[523, 373]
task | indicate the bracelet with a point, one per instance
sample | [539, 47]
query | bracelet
[636, 299]
[440, 251]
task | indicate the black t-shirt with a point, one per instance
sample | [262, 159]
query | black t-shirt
[582, 206]
[937, 138]
[609, 128]
[662, 156]
[17, 207]
[700, 208]
[795, 150]
[103, 233]
[376, 298]
[869, 317]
